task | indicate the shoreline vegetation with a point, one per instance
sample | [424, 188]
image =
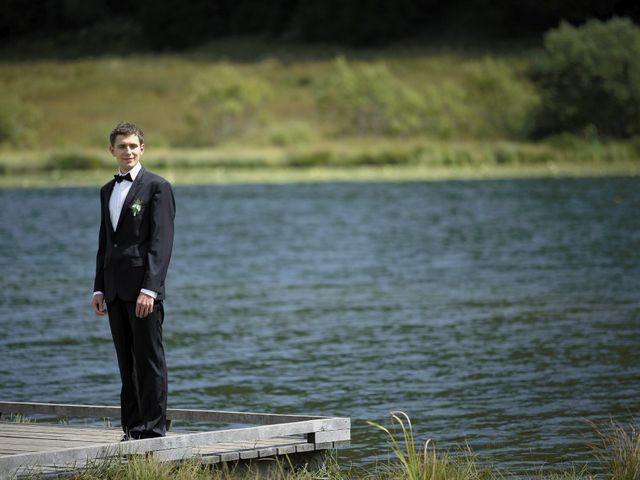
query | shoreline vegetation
[368, 161]
[616, 456]
[255, 111]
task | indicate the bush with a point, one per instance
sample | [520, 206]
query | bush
[590, 75]
[290, 133]
[73, 161]
[16, 121]
[228, 100]
[368, 99]
[502, 104]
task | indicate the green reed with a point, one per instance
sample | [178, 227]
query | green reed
[619, 451]
[426, 463]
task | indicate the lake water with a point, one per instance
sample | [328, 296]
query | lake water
[504, 314]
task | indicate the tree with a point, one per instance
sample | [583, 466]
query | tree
[589, 76]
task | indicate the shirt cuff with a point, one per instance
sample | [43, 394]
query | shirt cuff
[98, 292]
[151, 293]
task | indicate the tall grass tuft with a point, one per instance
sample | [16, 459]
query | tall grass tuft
[141, 467]
[619, 451]
[427, 464]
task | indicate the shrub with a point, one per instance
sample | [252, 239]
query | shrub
[320, 158]
[73, 161]
[619, 451]
[501, 104]
[290, 133]
[368, 99]
[16, 121]
[228, 100]
[590, 75]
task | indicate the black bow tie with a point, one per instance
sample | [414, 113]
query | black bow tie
[120, 178]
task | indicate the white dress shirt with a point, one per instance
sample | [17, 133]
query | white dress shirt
[119, 194]
[116, 202]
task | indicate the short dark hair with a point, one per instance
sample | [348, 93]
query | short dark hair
[126, 129]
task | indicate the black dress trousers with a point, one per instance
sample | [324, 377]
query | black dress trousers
[143, 370]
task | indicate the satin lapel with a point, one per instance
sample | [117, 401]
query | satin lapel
[133, 191]
[105, 203]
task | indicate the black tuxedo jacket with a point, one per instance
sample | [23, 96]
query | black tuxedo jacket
[136, 254]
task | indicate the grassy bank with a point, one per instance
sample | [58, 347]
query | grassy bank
[237, 111]
[616, 456]
[360, 160]
[260, 94]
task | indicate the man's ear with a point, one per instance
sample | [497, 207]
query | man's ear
[111, 149]
[141, 148]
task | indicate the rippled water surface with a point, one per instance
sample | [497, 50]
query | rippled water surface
[501, 313]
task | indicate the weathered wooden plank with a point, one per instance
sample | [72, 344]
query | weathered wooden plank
[236, 417]
[229, 456]
[98, 437]
[210, 459]
[70, 432]
[173, 454]
[329, 436]
[267, 452]
[103, 411]
[79, 454]
[78, 436]
[52, 427]
[33, 445]
[60, 437]
[60, 410]
[248, 454]
[267, 447]
[324, 446]
[72, 445]
[43, 432]
[11, 451]
[342, 444]
[305, 447]
[287, 449]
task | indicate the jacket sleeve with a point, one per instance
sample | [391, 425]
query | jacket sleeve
[98, 283]
[163, 211]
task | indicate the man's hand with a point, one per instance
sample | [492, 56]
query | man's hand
[144, 305]
[97, 303]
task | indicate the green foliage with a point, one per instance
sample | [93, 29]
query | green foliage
[590, 76]
[426, 464]
[502, 102]
[379, 158]
[140, 467]
[290, 134]
[16, 120]
[619, 451]
[229, 101]
[486, 100]
[71, 160]
[369, 99]
[20, 418]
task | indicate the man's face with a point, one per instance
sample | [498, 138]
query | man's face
[127, 150]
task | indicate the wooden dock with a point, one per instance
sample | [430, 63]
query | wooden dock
[55, 448]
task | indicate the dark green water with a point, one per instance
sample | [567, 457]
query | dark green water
[501, 313]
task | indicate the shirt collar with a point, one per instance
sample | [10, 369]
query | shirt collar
[133, 172]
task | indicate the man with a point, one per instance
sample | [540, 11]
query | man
[137, 210]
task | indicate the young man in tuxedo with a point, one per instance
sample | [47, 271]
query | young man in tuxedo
[137, 211]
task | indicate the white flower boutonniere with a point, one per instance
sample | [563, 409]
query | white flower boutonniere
[136, 207]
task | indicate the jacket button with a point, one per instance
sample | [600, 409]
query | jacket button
[115, 245]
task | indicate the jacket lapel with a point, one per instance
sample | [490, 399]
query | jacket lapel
[107, 215]
[133, 191]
